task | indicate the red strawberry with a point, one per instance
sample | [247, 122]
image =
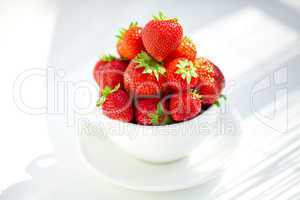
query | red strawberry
[144, 76]
[110, 74]
[185, 106]
[211, 80]
[161, 36]
[116, 104]
[182, 74]
[150, 112]
[99, 66]
[186, 49]
[130, 41]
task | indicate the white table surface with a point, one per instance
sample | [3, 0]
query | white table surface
[256, 43]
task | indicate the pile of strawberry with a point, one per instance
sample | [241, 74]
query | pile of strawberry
[158, 79]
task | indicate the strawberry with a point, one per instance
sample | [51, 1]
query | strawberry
[161, 36]
[100, 64]
[186, 49]
[185, 106]
[211, 80]
[130, 41]
[182, 74]
[110, 73]
[150, 112]
[116, 104]
[144, 76]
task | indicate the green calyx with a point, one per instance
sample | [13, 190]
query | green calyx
[151, 66]
[195, 93]
[107, 58]
[156, 117]
[187, 70]
[122, 31]
[168, 120]
[186, 38]
[133, 24]
[106, 91]
[161, 17]
[222, 96]
[217, 103]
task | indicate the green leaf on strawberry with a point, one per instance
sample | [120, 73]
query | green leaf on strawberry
[187, 39]
[151, 66]
[195, 93]
[187, 70]
[217, 103]
[122, 31]
[133, 24]
[98, 104]
[107, 58]
[168, 120]
[222, 96]
[161, 16]
[156, 117]
[106, 91]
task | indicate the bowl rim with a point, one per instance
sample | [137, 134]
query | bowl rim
[210, 109]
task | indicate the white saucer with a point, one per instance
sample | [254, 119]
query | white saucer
[203, 164]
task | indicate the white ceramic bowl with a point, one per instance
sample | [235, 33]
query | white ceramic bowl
[161, 144]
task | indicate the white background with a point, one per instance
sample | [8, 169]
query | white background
[25, 33]
[248, 39]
